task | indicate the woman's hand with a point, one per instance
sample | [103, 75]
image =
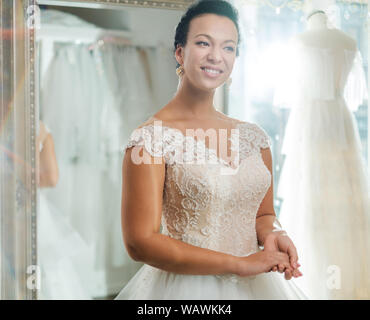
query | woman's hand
[278, 241]
[262, 261]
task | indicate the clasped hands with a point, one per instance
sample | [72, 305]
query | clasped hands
[279, 241]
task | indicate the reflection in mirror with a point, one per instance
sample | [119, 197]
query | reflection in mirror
[100, 74]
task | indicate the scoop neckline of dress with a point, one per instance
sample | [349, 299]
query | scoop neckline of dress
[201, 141]
[177, 129]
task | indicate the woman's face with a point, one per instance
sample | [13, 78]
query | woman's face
[209, 54]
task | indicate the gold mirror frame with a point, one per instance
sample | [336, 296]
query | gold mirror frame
[18, 120]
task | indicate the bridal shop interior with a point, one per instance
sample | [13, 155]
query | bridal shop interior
[85, 74]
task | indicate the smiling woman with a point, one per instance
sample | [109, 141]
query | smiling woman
[208, 247]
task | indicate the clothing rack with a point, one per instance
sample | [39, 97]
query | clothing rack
[95, 37]
[78, 34]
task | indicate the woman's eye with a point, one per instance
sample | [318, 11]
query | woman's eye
[203, 43]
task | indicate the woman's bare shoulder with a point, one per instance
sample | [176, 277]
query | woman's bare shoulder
[163, 115]
[146, 122]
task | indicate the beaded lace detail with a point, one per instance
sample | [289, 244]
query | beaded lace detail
[202, 206]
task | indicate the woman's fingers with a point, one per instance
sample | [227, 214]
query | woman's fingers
[288, 274]
[284, 266]
[282, 262]
[281, 268]
[293, 256]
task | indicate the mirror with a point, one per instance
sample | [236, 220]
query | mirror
[101, 72]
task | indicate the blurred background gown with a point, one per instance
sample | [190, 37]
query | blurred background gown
[62, 254]
[324, 180]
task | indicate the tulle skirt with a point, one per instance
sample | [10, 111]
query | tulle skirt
[151, 283]
[89, 200]
[325, 194]
[63, 256]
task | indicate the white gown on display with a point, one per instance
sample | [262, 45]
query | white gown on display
[324, 180]
[62, 255]
[205, 207]
[81, 101]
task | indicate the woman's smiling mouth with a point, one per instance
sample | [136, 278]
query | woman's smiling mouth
[211, 72]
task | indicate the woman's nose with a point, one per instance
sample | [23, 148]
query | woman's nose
[214, 55]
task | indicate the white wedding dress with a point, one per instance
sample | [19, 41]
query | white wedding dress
[62, 254]
[207, 204]
[324, 180]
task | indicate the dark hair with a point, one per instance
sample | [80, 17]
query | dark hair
[219, 7]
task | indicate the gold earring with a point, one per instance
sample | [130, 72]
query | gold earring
[180, 71]
[228, 82]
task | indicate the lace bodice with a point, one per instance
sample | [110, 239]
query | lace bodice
[204, 204]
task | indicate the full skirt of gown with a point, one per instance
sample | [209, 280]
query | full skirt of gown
[63, 256]
[151, 283]
[325, 194]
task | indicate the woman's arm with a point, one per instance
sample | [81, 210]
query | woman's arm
[141, 209]
[48, 167]
[266, 224]
[266, 213]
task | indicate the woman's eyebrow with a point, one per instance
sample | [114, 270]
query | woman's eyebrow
[209, 37]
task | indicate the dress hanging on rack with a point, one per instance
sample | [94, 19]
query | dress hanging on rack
[73, 99]
[62, 254]
[324, 180]
[91, 103]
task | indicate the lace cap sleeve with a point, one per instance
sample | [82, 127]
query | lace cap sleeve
[261, 138]
[157, 140]
[145, 136]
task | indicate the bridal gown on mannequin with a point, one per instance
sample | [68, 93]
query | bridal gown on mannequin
[324, 180]
[62, 254]
[208, 205]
